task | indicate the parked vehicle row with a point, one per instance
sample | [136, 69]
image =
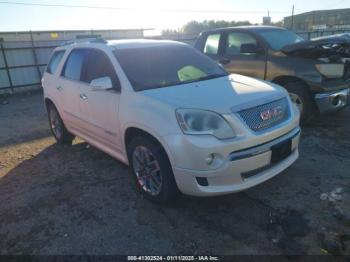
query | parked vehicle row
[175, 116]
[316, 73]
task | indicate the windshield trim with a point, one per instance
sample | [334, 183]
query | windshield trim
[209, 77]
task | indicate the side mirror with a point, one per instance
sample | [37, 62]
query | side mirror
[250, 49]
[102, 83]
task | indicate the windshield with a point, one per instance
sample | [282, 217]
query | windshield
[277, 39]
[161, 66]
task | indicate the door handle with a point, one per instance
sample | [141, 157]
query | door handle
[59, 88]
[224, 61]
[83, 96]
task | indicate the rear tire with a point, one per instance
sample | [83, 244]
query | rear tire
[151, 169]
[58, 129]
[300, 95]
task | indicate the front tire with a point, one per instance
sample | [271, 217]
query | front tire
[58, 129]
[300, 95]
[152, 170]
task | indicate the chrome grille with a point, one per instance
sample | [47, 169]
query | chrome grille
[254, 119]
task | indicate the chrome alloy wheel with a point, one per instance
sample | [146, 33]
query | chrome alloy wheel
[147, 170]
[56, 123]
[297, 101]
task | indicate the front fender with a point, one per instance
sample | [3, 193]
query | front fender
[151, 132]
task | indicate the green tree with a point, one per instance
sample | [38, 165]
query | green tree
[279, 23]
[195, 27]
[170, 32]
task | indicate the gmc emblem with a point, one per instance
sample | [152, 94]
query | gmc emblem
[271, 113]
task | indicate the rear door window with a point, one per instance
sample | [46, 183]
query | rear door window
[235, 40]
[74, 65]
[212, 44]
[54, 61]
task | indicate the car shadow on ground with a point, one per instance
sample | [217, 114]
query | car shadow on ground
[76, 199]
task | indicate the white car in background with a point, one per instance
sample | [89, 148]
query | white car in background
[176, 117]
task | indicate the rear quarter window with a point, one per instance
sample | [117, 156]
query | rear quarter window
[54, 61]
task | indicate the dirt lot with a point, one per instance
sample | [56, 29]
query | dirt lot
[77, 200]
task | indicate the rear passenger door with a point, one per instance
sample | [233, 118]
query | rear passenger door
[69, 85]
[99, 108]
[235, 60]
[49, 80]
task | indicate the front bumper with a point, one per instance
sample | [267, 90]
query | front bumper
[241, 170]
[331, 102]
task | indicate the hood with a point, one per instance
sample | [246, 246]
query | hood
[223, 95]
[331, 47]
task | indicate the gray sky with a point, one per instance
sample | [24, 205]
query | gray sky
[158, 14]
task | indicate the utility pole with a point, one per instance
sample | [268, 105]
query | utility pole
[292, 27]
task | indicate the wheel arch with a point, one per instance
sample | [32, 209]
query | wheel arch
[48, 102]
[133, 131]
[311, 108]
[284, 79]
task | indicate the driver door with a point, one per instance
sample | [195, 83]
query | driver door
[234, 61]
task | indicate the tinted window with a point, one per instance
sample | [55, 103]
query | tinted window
[212, 44]
[235, 41]
[99, 65]
[160, 66]
[74, 65]
[277, 39]
[54, 61]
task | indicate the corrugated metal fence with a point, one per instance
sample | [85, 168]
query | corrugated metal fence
[24, 55]
[22, 64]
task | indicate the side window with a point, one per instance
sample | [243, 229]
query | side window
[99, 65]
[235, 41]
[74, 65]
[54, 61]
[212, 44]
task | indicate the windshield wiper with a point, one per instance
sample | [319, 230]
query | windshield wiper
[211, 77]
[203, 78]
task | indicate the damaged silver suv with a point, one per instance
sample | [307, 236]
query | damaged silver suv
[316, 73]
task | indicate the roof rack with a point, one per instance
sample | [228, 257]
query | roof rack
[85, 40]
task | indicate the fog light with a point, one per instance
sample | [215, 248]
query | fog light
[209, 159]
[202, 181]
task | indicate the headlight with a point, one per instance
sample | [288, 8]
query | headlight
[331, 70]
[202, 122]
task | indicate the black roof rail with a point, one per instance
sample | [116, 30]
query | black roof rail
[85, 40]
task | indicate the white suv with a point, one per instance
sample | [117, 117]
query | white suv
[174, 115]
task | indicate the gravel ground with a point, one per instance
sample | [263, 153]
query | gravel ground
[58, 199]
